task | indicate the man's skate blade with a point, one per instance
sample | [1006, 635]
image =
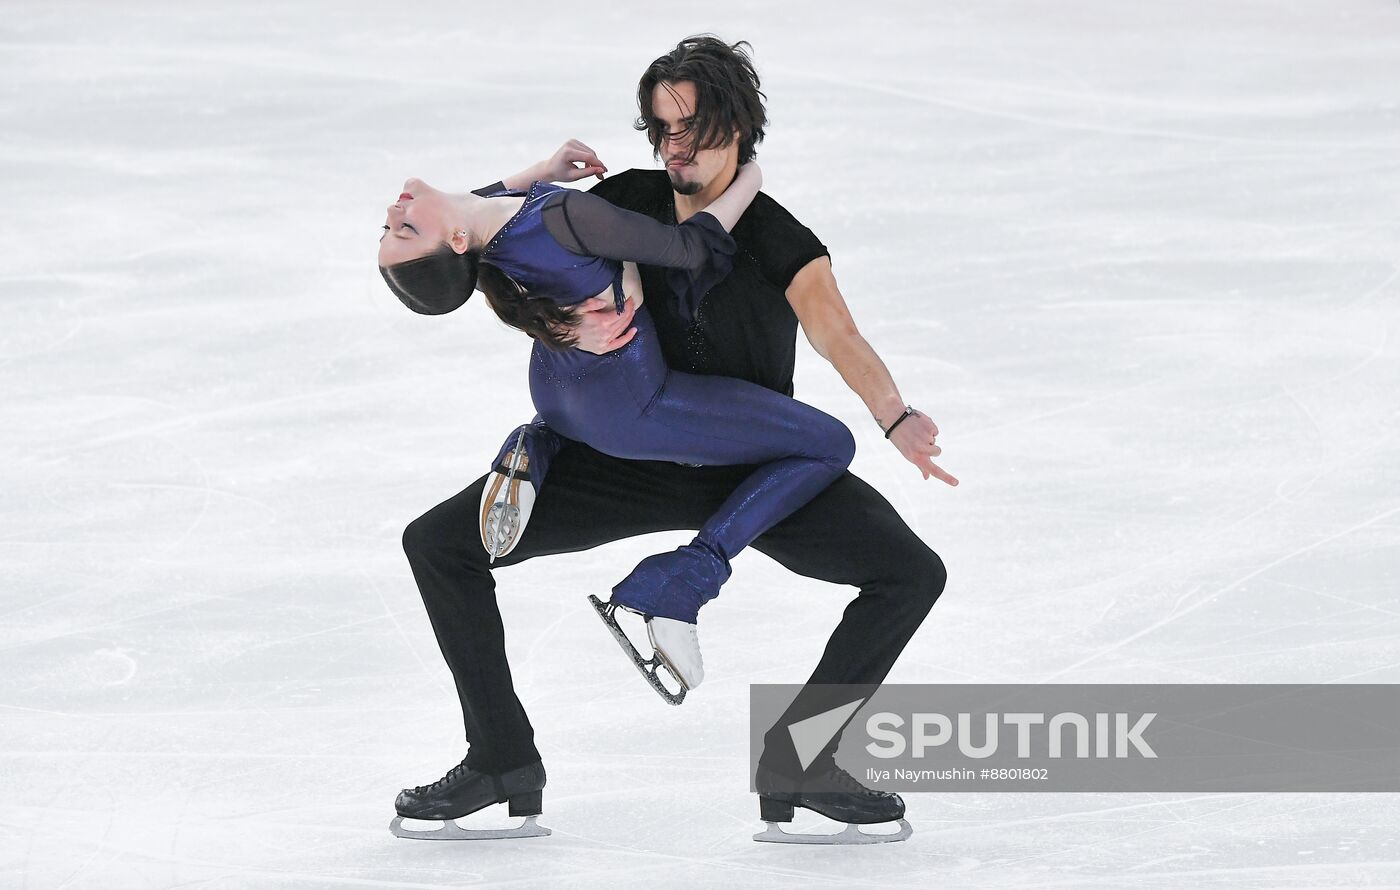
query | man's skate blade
[449, 830]
[852, 834]
[605, 611]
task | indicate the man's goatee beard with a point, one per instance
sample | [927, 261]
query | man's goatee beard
[686, 186]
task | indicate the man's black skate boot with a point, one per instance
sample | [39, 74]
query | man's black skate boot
[464, 790]
[827, 789]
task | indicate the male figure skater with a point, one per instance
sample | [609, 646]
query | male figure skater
[703, 112]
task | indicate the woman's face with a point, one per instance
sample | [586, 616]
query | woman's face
[416, 224]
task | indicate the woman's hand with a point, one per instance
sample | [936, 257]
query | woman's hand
[559, 167]
[564, 164]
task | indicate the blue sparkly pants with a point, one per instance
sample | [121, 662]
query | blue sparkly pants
[630, 405]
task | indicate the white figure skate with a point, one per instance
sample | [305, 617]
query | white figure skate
[675, 649]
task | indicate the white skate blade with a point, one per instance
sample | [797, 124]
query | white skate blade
[852, 834]
[678, 646]
[505, 510]
[449, 830]
[648, 667]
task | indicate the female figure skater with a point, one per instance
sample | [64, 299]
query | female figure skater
[537, 251]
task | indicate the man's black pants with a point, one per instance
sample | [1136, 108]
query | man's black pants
[848, 534]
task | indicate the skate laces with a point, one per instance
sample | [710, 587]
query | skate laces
[840, 777]
[451, 776]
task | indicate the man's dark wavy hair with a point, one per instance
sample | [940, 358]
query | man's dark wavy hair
[727, 97]
[444, 279]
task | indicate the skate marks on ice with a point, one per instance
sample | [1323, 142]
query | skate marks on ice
[1070, 120]
[649, 667]
[450, 830]
[851, 834]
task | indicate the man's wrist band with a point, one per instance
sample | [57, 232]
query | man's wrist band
[908, 412]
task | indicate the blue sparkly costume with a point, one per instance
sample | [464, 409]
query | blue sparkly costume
[569, 246]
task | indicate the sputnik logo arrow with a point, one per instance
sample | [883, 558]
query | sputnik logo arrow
[810, 736]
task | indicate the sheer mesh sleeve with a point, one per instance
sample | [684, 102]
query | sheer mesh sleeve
[698, 253]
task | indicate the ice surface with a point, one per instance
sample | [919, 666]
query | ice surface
[1138, 261]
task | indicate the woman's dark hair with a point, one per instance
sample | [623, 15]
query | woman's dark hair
[727, 97]
[444, 279]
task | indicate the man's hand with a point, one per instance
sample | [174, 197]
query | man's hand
[601, 330]
[916, 438]
[822, 312]
[564, 164]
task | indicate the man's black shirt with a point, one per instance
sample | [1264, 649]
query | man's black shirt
[745, 326]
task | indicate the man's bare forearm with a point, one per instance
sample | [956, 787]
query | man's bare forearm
[822, 312]
[867, 376]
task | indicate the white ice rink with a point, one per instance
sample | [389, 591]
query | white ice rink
[1139, 261]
